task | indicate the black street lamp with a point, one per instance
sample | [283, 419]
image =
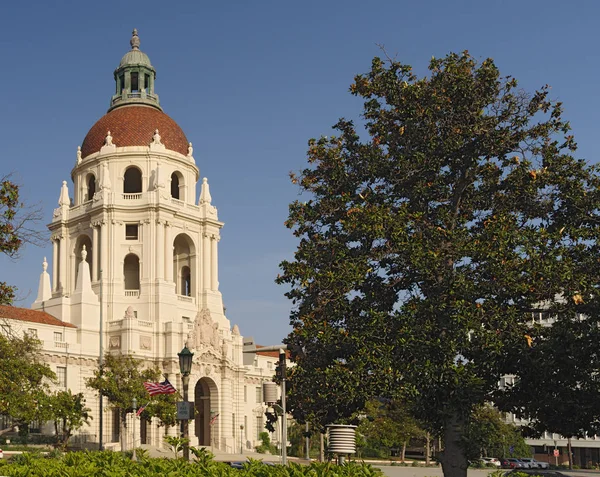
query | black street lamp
[185, 366]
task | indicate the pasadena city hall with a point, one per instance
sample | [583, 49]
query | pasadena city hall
[135, 257]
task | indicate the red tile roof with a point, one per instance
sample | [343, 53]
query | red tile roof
[34, 316]
[135, 126]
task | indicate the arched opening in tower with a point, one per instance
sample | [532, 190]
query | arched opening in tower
[132, 181]
[91, 187]
[131, 272]
[175, 186]
[184, 264]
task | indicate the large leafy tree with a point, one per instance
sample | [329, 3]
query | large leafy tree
[425, 245]
[24, 380]
[122, 379]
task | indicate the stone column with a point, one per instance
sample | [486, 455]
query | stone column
[104, 251]
[226, 398]
[168, 253]
[205, 261]
[214, 263]
[94, 252]
[62, 278]
[54, 264]
[160, 247]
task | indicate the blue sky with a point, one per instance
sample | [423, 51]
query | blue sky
[250, 83]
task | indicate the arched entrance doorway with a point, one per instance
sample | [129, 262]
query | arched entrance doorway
[205, 401]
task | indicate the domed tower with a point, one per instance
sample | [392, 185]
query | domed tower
[135, 254]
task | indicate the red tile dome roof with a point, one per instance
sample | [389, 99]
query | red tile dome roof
[135, 126]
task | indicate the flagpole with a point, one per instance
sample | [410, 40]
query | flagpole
[100, 361]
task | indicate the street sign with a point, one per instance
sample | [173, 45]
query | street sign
[556, 452]
[185, 410]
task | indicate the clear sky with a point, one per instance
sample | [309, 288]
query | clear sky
[250, 83]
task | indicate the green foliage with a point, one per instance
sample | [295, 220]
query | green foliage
[425, 247]
[558, 388]
[15, 228]
[69, 413]
[113, 464]
[176, 443]
[24, 379]
[265, 446]
[122, 379]
[387, 425]
[488, 434]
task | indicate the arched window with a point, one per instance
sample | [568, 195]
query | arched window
[132, 183]
[184, 265]
[91, 187]
[186, 281]
[131, 272]
[175, 185]
[79, 243]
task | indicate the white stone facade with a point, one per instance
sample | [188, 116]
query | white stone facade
[135, 270]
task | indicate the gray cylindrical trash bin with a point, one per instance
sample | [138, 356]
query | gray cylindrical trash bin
[341, 440]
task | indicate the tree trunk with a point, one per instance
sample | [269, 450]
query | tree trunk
[427, 448]
[123, 436]
[321, 448]
[570, 451]
[403, 451]
[454, 463]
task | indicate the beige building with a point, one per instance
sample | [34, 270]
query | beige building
[135, 270]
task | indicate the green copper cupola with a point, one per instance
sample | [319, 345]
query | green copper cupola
[135, 78]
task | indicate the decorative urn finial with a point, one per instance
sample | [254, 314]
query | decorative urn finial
[135, 40]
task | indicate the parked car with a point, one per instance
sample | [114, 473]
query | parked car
[490, 461]
[512, 463]
[535, 464]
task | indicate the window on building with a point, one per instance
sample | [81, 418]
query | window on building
[233, 429]
[147, 83]
[134, 83]
[131, 272]
[131, 232]
[259, 426]
[91, 187]
[175, 186]
[32, 332]
[258, 394]
[61, 376]
[245, 393]
[269, 365]
[186, 281]
[121, 83]
[132, 181]
[58, 336]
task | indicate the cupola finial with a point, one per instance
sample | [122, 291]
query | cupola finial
[135, 40]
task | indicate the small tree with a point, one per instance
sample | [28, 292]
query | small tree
[16, 228]
[24, 380]
[122, 379]
[69, 413]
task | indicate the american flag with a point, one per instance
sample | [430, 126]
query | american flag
[213, 419]
[160, 388]
[141, 409]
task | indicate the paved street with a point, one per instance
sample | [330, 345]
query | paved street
[397, 471]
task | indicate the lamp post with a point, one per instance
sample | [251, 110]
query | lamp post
[134, 404]
[242, 439]
[250, 347]
[185, 366]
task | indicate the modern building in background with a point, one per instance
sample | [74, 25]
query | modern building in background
[135, 257]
